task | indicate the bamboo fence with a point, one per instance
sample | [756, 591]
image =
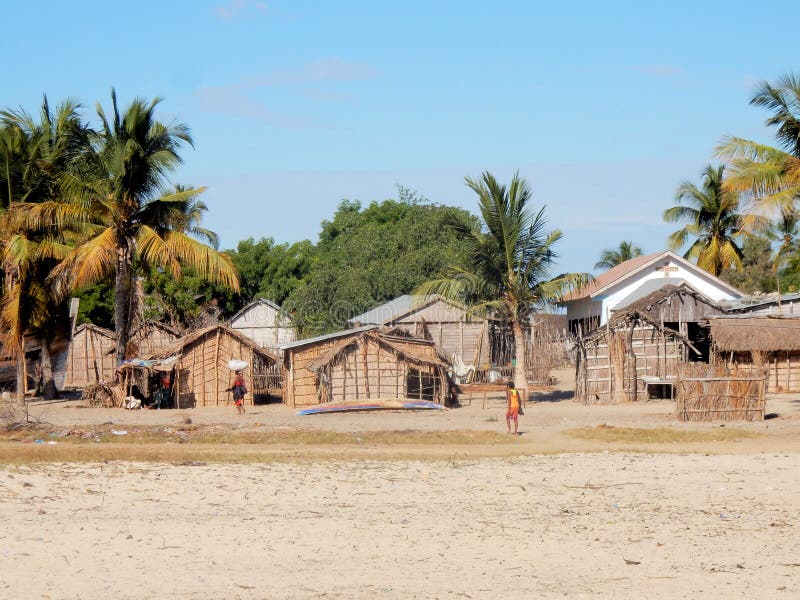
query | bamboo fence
[729, 398]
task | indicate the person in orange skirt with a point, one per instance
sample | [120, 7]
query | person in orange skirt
[513, 408]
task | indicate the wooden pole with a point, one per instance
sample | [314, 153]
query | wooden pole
[364, 346]
[216, 370]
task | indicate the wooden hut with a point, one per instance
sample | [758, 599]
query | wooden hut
[364, 363]
[151, 336]
[769, 343]
[90, 358]
[679, 307]
[201, 370]
[263, 322]
[628, 359]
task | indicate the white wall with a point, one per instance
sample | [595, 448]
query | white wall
[604, 304]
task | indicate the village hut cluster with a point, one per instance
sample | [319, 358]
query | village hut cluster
[655, 326]
[658, 326]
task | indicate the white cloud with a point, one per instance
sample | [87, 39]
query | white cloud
[236, 8]
[308, 81]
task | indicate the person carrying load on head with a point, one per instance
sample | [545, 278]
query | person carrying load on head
[239, 390]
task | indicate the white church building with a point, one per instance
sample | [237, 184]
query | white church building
[591, 306]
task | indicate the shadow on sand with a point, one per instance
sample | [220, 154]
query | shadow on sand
[553, 396]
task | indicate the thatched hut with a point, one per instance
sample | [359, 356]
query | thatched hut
[770, 343]
[151, 336]
[201, 373]
[364, 363]
[627, 359]
[90, 358]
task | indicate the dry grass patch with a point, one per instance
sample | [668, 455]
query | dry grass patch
[658, 435]
[221, 444]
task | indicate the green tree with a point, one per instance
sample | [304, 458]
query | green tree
[41, 150]
[270, 270]
[757, 273]
[711, 214]
[128, 221]
[509, 258]
[769, 177]
[366, 256]
[612, 257]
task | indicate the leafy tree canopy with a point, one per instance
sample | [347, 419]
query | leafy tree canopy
[757, 273]
[366, 256]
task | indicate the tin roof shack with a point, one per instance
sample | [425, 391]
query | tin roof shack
[202, 376]
[446, 323]
[262, 322]
[364, 363]
[621, 360]
[91, 357]
[768, 343]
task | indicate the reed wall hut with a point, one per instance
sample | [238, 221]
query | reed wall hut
[677, 306]
[201, 373]
[364, 363]
[90, 358]
[621, 360]
[768, 343]
[263, 322]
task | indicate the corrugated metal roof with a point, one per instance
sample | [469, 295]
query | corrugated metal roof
[388, 310]
[326, 337]
[753, 302]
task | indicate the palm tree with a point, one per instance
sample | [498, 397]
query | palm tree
[510, 260]
[769, 177]
[43, 148]
[624, 252]
[128, 221]
[712, 218]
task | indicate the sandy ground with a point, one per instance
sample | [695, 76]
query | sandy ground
[585, 525]
[548, 516]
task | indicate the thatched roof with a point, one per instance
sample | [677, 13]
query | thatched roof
[626, 320]
[662, 295]
[146, 327]
[390, 340]
[179, 346]
[96, 329]
[759, 334]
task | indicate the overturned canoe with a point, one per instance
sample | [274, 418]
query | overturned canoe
[371, 405]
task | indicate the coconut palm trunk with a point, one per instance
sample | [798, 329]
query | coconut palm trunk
[122, 292]
[520, 371]
[49, 390]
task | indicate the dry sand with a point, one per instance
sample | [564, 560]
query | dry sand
[585, 525]
[548, 516]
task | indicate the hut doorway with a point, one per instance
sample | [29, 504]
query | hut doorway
[700, 336]
[421, 385]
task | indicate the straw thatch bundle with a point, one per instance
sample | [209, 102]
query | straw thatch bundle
[755, 334]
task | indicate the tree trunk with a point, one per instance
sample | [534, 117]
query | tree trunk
[22, 376]
[520, 371]
[122, 298]
[49, 391]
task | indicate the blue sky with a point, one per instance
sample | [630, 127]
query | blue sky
[604, 107]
